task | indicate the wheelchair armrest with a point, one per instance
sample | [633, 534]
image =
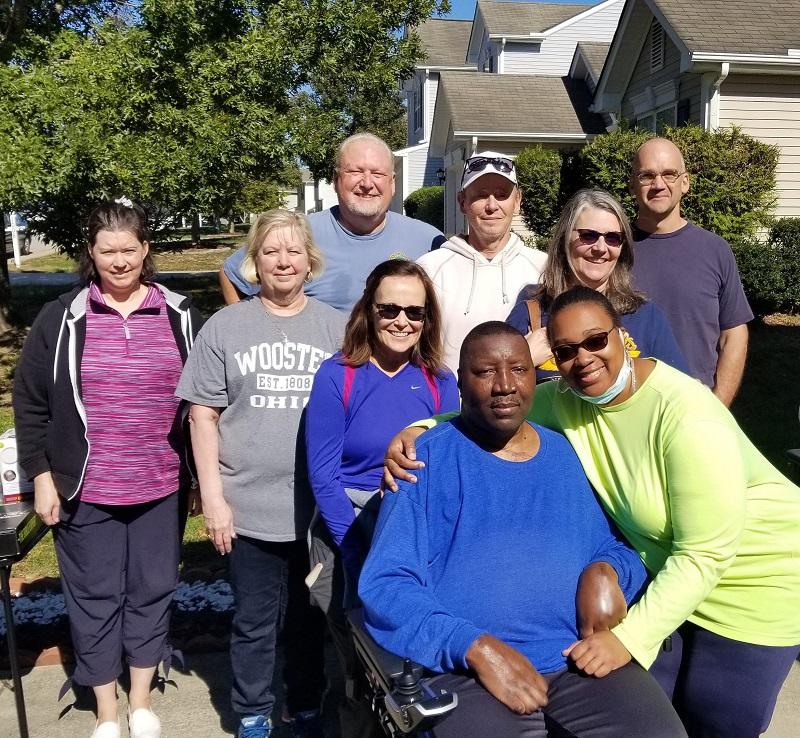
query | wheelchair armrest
[387, 666]
[409, 704]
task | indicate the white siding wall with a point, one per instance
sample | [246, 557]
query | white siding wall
[556, 52]
[430, 103]
[768, 108]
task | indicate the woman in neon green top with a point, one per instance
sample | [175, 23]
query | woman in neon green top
[716, 525]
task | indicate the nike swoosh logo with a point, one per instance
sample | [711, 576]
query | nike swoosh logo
[416, 386]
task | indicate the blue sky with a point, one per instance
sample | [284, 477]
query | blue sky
[466, 8]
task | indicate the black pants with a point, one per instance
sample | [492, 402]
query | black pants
[628, 703]
[270, 594]
[722, 688]
[119, 570]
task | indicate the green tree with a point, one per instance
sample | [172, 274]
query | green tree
[188, 103]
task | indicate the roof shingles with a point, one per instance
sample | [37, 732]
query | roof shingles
[525, 17]
[445, 42]
[514, 104]
[735, 26]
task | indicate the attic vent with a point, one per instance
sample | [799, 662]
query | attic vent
[657, 43]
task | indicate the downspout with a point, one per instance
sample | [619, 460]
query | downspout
[713, 100]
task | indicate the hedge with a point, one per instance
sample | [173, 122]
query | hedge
[427, 203]
[770, 270]
[732, 178]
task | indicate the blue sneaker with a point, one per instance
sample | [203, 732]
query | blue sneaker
[307, 724]
[254, 726]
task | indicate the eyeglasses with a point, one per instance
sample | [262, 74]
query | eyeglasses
[389, 311]
[588, 236]
[594, 343]
[670, 176]
[479, 163]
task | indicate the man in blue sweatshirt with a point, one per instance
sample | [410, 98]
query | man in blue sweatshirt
[474, 569]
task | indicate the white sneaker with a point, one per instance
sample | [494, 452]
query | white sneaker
[144, 723]
[107, 729]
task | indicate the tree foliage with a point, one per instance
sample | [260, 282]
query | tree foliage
[185, 104]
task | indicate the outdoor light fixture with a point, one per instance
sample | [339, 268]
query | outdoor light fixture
[441, 175]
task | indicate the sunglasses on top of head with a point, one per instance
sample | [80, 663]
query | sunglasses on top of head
[389, 311]
[589, 236]
[479, 163]
[594, 343]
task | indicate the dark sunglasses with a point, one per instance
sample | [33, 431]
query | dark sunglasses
[479, 163]
[588, 236]
[389, 311]
[567, 351]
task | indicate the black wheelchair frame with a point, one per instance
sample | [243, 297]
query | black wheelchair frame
[401, 696]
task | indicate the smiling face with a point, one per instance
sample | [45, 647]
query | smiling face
[396, 337]
[660, 200]
[282, 264]
[590, 372]
[593, 263]
[118, 257]
[497, 381]
[489, 204]
[364, 182]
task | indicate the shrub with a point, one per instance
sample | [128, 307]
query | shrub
[539, 177]
[769, 270]
[427, 204]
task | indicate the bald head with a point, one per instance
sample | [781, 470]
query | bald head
[659, 148]
[658, 182]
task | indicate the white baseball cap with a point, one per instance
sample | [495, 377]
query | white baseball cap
[488, 162]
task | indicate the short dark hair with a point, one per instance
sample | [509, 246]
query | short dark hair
[116, 215]
[581, 294]
[359, 335]
[484, 330]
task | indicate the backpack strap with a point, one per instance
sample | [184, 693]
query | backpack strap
[534, 314]
[434, 388]
[349, 377]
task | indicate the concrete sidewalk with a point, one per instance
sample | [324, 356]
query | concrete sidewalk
[196, 704]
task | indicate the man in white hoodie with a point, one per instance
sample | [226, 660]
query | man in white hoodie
[479, 275]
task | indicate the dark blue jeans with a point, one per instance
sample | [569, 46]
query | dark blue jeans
[722, 688]
[268, 585]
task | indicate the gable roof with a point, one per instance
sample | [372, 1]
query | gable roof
[594, 54]
[445, 42]
[734, 35]
[513, 105]
[508, 18]
[734, 26]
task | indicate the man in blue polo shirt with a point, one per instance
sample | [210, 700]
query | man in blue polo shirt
[357, 234]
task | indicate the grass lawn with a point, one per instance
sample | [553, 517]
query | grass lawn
[766, 407]
[167, 259]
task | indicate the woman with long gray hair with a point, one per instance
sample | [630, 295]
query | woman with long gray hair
[592, 245]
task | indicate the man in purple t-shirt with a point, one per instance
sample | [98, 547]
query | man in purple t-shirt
[688, 272]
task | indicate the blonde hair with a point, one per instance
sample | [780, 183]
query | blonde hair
[273, 220]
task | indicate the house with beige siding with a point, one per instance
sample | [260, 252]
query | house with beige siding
[714, 63]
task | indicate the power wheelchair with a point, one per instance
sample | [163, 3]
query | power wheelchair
[400, 694]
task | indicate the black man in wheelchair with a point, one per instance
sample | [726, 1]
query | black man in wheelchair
[489, 567]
